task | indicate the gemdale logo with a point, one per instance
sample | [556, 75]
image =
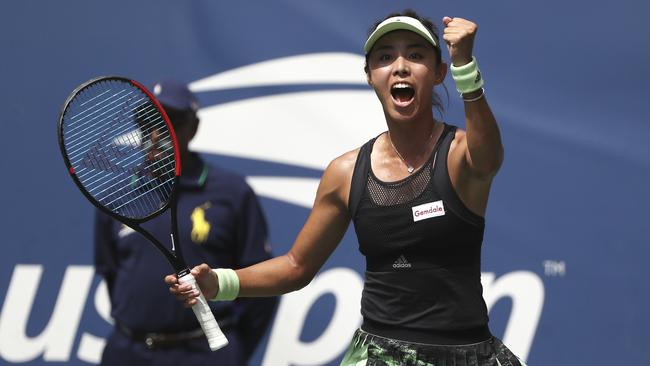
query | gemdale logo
[428, 210]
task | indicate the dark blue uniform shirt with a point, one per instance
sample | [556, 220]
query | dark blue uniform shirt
[220, 223]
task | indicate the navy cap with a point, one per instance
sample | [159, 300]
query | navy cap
[174, 94]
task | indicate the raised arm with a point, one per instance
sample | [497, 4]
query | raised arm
[477, 154]
[318, 238]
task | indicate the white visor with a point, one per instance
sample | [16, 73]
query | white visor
[399, 23]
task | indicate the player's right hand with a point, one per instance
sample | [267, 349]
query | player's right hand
[205, 278]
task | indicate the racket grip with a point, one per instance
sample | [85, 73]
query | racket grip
[216, 338]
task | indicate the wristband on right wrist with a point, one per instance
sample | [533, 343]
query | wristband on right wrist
[474, 99]
[467, 77]
[228, 284]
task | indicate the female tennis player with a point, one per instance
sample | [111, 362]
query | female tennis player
[417, 195]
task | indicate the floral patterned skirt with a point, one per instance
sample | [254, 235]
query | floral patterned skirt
[371, 350]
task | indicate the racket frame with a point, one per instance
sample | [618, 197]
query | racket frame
[175, 255]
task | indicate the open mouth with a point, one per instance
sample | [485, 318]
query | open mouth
[402, 93]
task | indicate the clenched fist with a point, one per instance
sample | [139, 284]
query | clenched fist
[459, 35]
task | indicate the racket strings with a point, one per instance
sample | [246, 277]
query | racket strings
[120, 147]
[97, 176]
[112, 188]
[125, 138]
[92, 98]
[104, 154]
[102, 107]
[141, 194]
[142, 191]
[156, 169]
[116, 113]
[92, 123]
[76, 145]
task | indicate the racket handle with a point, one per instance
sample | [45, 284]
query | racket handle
[216, 338]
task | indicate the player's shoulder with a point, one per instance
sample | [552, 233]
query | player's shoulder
[345, 162]
[335, 182]
[342, 166]
[460, 136]
[459, 132]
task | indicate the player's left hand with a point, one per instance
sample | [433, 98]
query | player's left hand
[459, 35]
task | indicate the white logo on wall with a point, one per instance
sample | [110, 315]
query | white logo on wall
[55, 342]
[306, 129]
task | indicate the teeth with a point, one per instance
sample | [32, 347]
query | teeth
[401, 86]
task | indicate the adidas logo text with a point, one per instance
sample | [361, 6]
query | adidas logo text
[401, 262]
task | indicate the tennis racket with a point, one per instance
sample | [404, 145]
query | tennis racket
[121, 151]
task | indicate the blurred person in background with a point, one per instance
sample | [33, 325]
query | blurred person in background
[220, 221]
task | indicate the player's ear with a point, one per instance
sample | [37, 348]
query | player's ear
[367, 70]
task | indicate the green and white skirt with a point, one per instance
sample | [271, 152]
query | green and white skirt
[371, 350]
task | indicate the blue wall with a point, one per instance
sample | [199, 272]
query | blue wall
[566, 246]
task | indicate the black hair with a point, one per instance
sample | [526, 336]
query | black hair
[428, 24]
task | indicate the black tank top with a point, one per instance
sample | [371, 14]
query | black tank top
[423, 253]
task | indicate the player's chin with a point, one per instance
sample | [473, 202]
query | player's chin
[404, 110]
[404, 114]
